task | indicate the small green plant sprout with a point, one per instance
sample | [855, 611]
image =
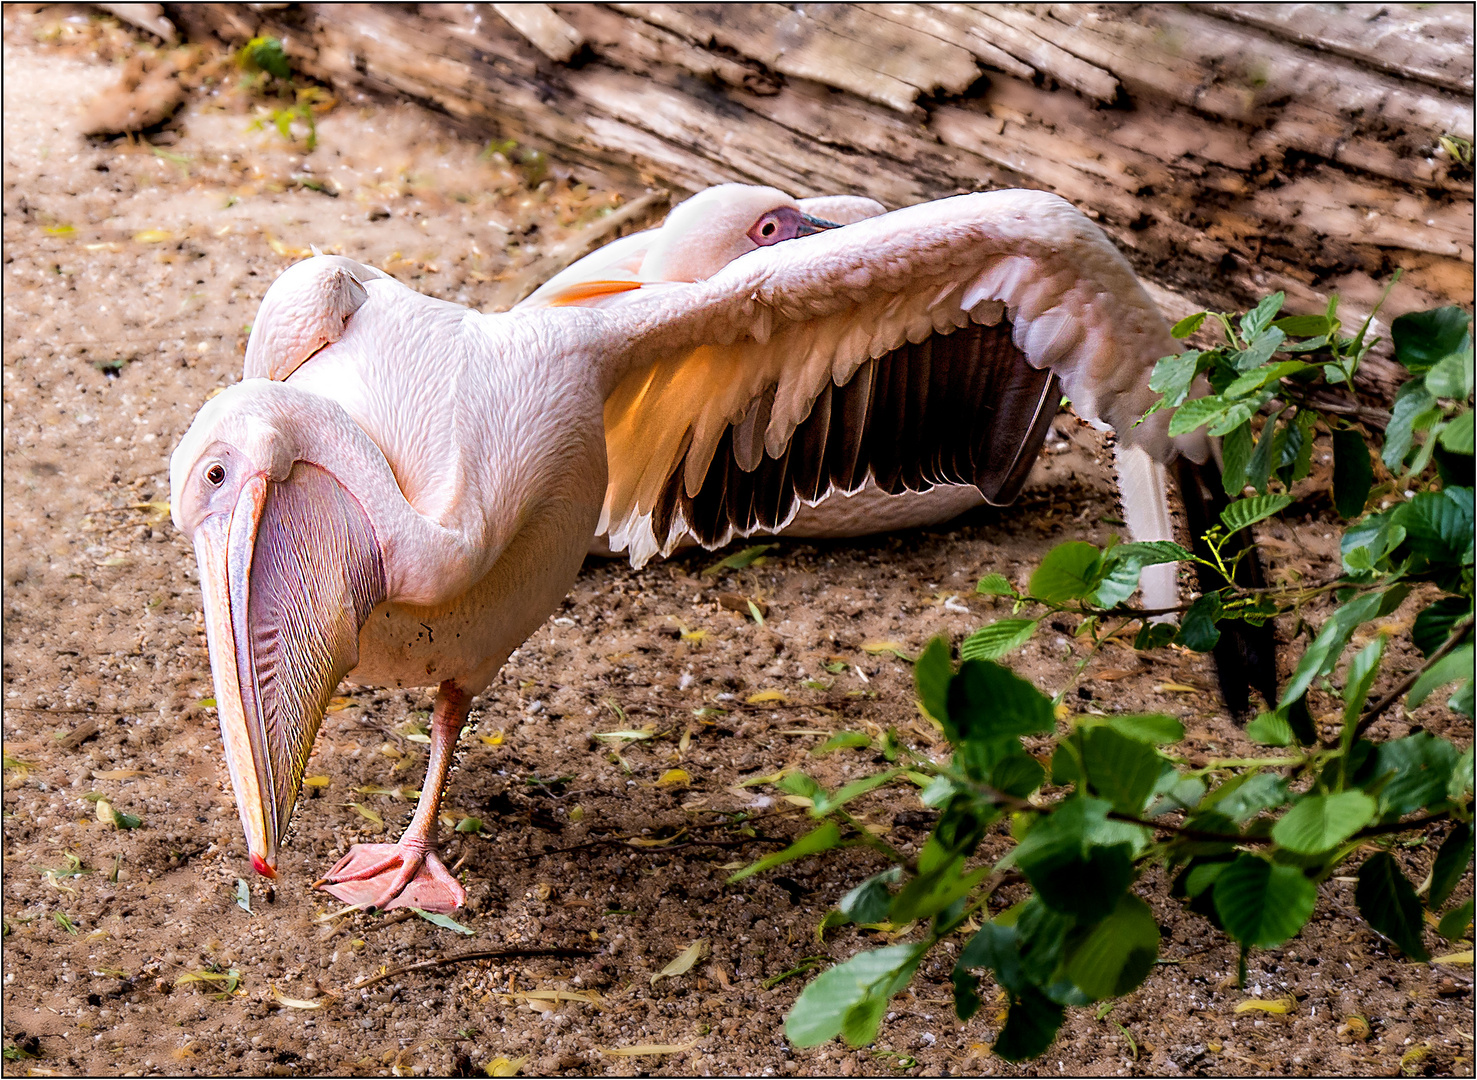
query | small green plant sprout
[268, 72]
[1097, 800]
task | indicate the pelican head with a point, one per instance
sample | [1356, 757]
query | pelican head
[716, 226]
[290, 569]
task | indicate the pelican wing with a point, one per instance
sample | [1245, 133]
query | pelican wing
[920, 347]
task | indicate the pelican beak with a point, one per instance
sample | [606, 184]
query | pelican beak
[809, 226]
[289, 574]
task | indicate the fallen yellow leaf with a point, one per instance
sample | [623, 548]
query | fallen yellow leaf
[674, 777]
[683, 961]
[1453, 958]
[495, 739]
[368, 814]
[316, 781]
[501, 1066]
[1277, 1006]
[114, 774]
[766, 696]
[152, 236]
[295, 1003]
[1177, 688]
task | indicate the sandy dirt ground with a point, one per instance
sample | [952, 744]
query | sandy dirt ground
[132, 270]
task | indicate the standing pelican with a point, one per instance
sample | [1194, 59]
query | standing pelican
[403, 489]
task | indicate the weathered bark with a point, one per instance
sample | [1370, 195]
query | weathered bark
[1230, 149]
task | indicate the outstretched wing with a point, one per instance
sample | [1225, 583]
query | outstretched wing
[920, 347]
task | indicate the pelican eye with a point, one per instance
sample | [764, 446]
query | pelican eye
[216, 474]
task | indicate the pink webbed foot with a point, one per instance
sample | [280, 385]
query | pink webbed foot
[385, 876]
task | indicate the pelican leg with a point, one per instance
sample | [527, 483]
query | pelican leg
[410, 873]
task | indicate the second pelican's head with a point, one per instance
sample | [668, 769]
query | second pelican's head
[716, 226]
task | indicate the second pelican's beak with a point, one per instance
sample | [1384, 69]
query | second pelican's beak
[290, 573]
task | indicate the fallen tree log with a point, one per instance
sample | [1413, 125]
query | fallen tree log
[1229, 149]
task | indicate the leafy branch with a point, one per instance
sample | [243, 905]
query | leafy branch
[1247, 840]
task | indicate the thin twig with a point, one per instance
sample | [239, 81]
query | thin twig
[458, 958]
[1458, 635]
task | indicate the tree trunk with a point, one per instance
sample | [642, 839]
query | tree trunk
[1229, 149]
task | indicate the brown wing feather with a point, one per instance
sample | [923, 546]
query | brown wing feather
[957, 408]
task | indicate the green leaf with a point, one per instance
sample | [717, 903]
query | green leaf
[469, 825]
[1319, 823]
[1320, 657]
[1304, 326]
[1197, 628]
[1236, 447]
[1270, 729]
[812, 843]
[1260, 351]
[1172, 376]
[1433, 625]
[1352, 472]
[997, 639]
[1411, 401]
[988, 702]
[1419, 768]
[1238, 413]
[1073, 870]
[1260, 377]
[1259, 467]
[870, 901]
[996, 947]
[265, 54]
[931, 675]
[1362, 671]
[1030, 1026]
[1452, 377]
[842, 739]
[850, 998]
[1246, 796]
[1117, 954]
[1197, 412]
[1423, 339]
[1187, 326]
[1456, 436]
[995, 585]
[243, 896]
[1068, 572]
[1451, 864]
[1260, 904]
[825, 803]
[1456, 923]
[1438, 524]
[1455, 665]
[1255, 321]
[1155, 728]
[446, 922]
[1121, 769]
[1121, 564]
[928, 894]
[1389, 904]
[739, 559]
[1244, 512]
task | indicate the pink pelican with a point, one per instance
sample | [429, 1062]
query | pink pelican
[402, 489]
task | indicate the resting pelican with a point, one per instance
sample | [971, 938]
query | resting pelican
[402, 489]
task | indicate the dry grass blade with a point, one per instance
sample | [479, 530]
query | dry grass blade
[651, 1049]
[466, 957]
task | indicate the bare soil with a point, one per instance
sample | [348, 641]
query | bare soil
[132, 270]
